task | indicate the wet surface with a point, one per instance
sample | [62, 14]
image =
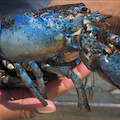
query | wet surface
[70, 112]
[17, 6]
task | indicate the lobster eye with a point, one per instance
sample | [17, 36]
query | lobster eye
[84, 9]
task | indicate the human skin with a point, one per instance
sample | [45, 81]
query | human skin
[18, 104]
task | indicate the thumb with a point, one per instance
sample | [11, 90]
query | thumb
[26, 108]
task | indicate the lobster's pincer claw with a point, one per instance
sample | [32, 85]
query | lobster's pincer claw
[108, 67]
[97, 57]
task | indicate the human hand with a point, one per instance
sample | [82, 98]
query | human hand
[20, 103]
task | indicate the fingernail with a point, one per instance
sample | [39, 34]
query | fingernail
[46, 109]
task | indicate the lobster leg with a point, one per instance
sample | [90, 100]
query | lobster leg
[89, 85]
[11, 82]
[28, 82]
[82, 98]
[31, 65]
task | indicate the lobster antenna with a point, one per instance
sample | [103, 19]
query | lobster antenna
[107, 23]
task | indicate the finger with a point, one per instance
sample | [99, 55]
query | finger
[25, 108]
[63, 85]
[81, 70]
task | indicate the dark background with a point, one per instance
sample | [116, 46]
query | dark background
[15, 6]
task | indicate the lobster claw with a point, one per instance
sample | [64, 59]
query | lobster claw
[99, 58]
[108, 67]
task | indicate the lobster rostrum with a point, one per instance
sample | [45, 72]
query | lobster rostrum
[54, 40]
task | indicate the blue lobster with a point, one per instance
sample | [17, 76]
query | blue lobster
[54, 40]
